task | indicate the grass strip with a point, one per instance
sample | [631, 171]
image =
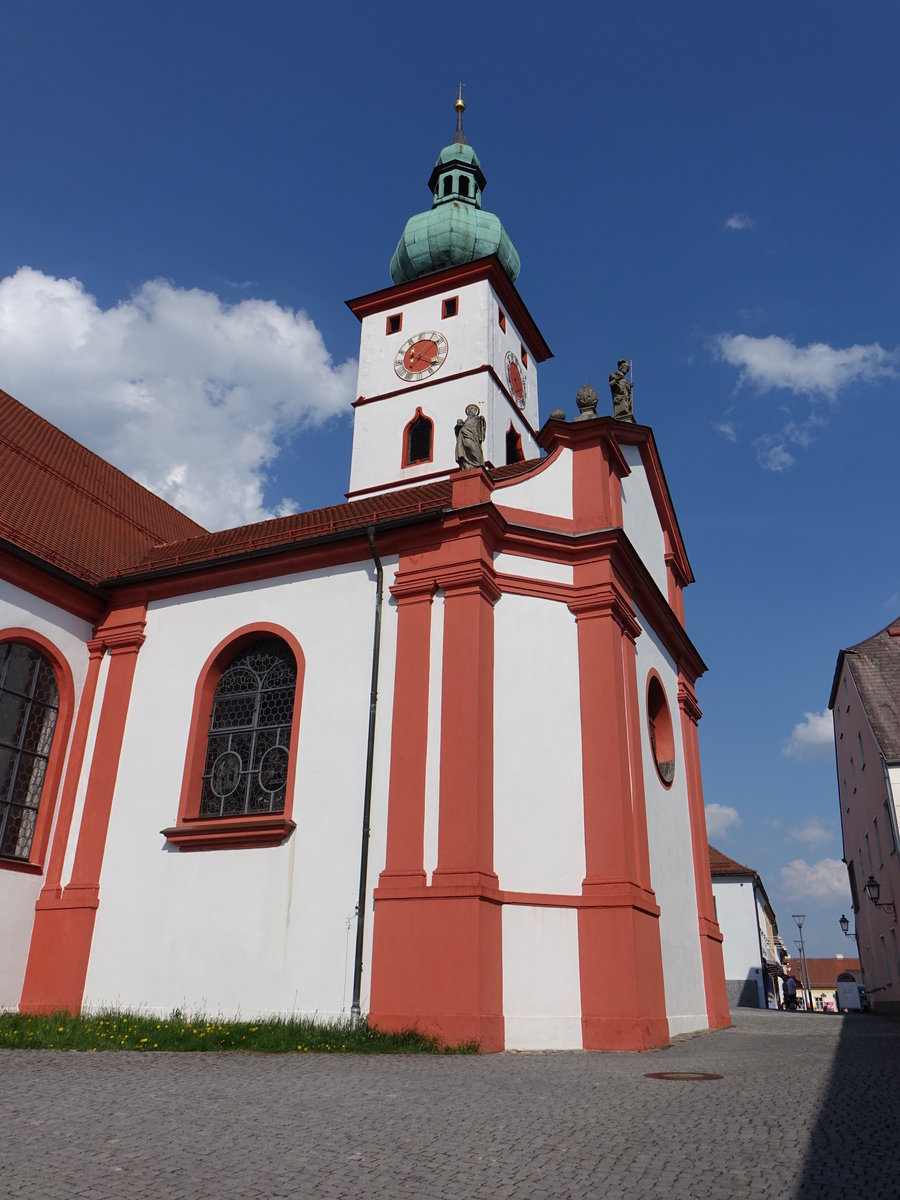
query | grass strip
[180, 1032]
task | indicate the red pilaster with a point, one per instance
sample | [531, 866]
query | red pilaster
[437, 954]
[52, 884]
[409, 736]
[623, 1006]
[710, 934]
[64, 919]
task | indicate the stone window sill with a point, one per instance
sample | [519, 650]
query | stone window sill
[230, 833]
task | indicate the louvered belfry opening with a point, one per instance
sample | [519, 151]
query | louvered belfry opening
[418, 440]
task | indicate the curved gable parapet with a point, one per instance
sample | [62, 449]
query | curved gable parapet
[545, 491]
[641, 519]
[641, 438]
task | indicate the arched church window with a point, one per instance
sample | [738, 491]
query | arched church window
[448, 184]
[249, 741]
[418, 440]
[464, 185]
[29, 707]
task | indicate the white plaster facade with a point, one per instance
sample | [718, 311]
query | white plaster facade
[474, 372]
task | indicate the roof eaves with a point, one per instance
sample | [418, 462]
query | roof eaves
[136, 575]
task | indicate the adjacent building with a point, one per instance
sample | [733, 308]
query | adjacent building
[865, 707]
[754, 954]
[429, 754]
[824, 976]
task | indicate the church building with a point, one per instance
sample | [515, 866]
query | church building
[429, 755]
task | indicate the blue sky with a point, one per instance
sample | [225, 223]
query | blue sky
[192, 192]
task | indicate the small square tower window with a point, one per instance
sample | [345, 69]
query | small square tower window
[450, 307]
[524, 355]
[394, 323]
[501, 317]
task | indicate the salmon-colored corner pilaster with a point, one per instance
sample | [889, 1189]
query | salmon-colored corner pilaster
[404, 855]
[620, 957]
[710, 934]
[64, 917]
[439, 966]
[437, 950]
[623, 1003]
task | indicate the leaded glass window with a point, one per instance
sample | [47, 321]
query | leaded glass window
[29, 705]
[250, 733]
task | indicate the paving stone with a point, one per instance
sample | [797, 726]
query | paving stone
[792, 1117]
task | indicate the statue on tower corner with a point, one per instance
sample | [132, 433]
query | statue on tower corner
[470, 438]
[623, 409]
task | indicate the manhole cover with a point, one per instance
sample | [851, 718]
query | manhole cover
[687, 1076]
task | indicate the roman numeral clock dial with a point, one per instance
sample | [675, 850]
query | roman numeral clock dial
[515, 379]
[421, 356]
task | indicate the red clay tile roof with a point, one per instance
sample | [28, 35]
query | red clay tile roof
[875, 667]
[823, 972]
[721, 864]
[67, 506]
[283, 532]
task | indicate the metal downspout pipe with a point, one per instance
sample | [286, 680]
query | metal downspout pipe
[367, 799]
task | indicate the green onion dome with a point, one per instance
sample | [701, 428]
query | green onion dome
[456, 230]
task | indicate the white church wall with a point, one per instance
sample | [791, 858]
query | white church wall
[640, 519]
[541, 981]
[248, 930]
[538, 796]
[18, 889]
[547, 491]
[18, 893]
[475, 340]
[465, 334]
[377, 457]
[671, 851]
[533, 568]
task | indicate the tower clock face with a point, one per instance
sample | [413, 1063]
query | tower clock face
[421, 356]
[515, 378]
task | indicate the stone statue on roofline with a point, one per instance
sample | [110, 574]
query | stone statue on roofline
[621, 389]
[470, 439]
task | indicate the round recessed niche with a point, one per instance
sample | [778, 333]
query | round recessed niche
[659, 723]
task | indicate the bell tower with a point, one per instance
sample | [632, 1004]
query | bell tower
[449, 344]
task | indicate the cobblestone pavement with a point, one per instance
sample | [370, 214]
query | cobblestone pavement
[809, 1106]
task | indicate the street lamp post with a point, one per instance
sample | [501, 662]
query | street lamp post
[799, 918]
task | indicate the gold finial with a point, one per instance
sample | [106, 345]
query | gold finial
[460, 105]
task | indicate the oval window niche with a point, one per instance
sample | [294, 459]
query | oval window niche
[659, 724]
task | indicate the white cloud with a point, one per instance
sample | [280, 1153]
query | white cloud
[727, 430]
[811, 832]
[185, 392]
[719, 819]
[813, 370]
[739, 221]
[813, 737]
[772, 454]
[816, 372]
[827, 877]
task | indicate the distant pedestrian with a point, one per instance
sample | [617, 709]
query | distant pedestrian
[790, 993]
